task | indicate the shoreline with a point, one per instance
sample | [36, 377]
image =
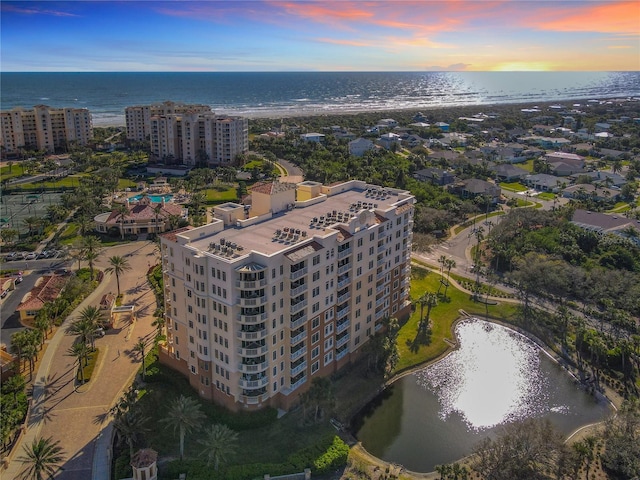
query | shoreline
[545, 349]
[113, 120]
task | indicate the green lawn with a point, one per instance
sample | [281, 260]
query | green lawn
[222, 194]
[6, 173]
[546, 196]
[69, 234]
[514, 186]
[443, 316]
[124, 183]
[528, 165]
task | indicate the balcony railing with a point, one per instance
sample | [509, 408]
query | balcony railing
[380, 288]
[249, 400]
[344, 282]
[378, 326]
[253, 367]
[342, 313]
[258, 335]
[299, 322]
[252, 352]
[298, 273]
[381, 314]
[298, 338]
[343, 297]
[251, 285]
[254, 383]
[298, 383]
[342, 341]
[344, 268]
[341, 354]
[380, 301]
[296, 370]
[298, 353]
[341, 327]
[261, 317]
[381, 248]
[381, 275]
[252, 302]
[298, 290]
[296, 307]
[344, 253]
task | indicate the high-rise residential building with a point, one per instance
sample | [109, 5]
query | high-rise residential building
[138, 118]
[44, 128]
[268, 296]
[198, 138]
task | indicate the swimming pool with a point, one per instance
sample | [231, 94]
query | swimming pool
[154, 198]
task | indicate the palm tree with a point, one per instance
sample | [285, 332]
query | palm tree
[93, 315]
[80, 352]
[219, 444]
[430, 300]
[41, 459]
[129, 426]
[118, 265]
[184, 416]
[90, 250]
[32, 223]
[449, 264]
[122, 211]
[157, 210]
[140, 347]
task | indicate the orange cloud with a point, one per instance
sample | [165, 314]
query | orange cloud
[350, 43]
[617, 17]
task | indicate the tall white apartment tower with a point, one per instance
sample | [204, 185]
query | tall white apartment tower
[265, 298]
[138, 117]
[198, 138]
[44, 128]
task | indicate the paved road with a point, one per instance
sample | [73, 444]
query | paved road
[76, 416]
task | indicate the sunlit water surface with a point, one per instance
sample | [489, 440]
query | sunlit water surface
[440, 413]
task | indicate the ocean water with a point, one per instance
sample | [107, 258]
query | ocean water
[291, 93]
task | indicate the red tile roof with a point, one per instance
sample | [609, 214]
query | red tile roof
[172, 235]
[47, 290]
[145, 212]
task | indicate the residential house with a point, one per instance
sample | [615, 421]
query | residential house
[587, 190]
[508, 173]
[603, 223]
[388, 140]
[413, 141]
[143, 217]
[544, 182]
[442, 126]
[360, 146]
[475, 187]
[437, 176]
[453, 139]
[601, 127]
[546, 142]
[605, 179]
[387, 123]
[46, 289]
[312, 137]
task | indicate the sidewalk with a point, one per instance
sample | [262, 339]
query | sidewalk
[78, 417]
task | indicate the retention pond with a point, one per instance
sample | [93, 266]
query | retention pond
[439, 414]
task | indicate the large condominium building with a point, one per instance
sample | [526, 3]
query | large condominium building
[44, 128]
[138, 117]
[198, 138]
[267, 297]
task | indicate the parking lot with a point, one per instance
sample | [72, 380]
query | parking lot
[45, 254]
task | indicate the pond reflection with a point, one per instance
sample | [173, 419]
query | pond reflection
[440, 413]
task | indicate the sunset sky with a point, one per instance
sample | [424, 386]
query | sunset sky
[332, 35]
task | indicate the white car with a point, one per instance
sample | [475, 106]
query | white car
[31, 256]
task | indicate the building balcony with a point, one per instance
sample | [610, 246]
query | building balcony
[344, 282]
[380, 301]
[381, 248]
[342, 313]
[252, 384]
[342, 353]
[254, 400]
[299, 337]
[342, 340]
[251, 285]
[344, 268]
[344, 297]
[381, 275]
[342, 326]
[250, 367]
[298, 353]
[253, 352]
[380, 288]
[296, 307]
[295, 324]
[298, 383]
[298, 290]
[378, 326]
[256, 335]
[298, 273]
[381, 314]
[344, 253]
[250, 319]
[298, 368]
[253, 301]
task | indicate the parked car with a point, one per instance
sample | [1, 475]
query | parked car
[11, 256]
[4, 293]
[18, 280]
[99, 332]
[31, 256]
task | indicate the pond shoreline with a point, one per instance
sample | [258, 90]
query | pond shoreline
[453, 346]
